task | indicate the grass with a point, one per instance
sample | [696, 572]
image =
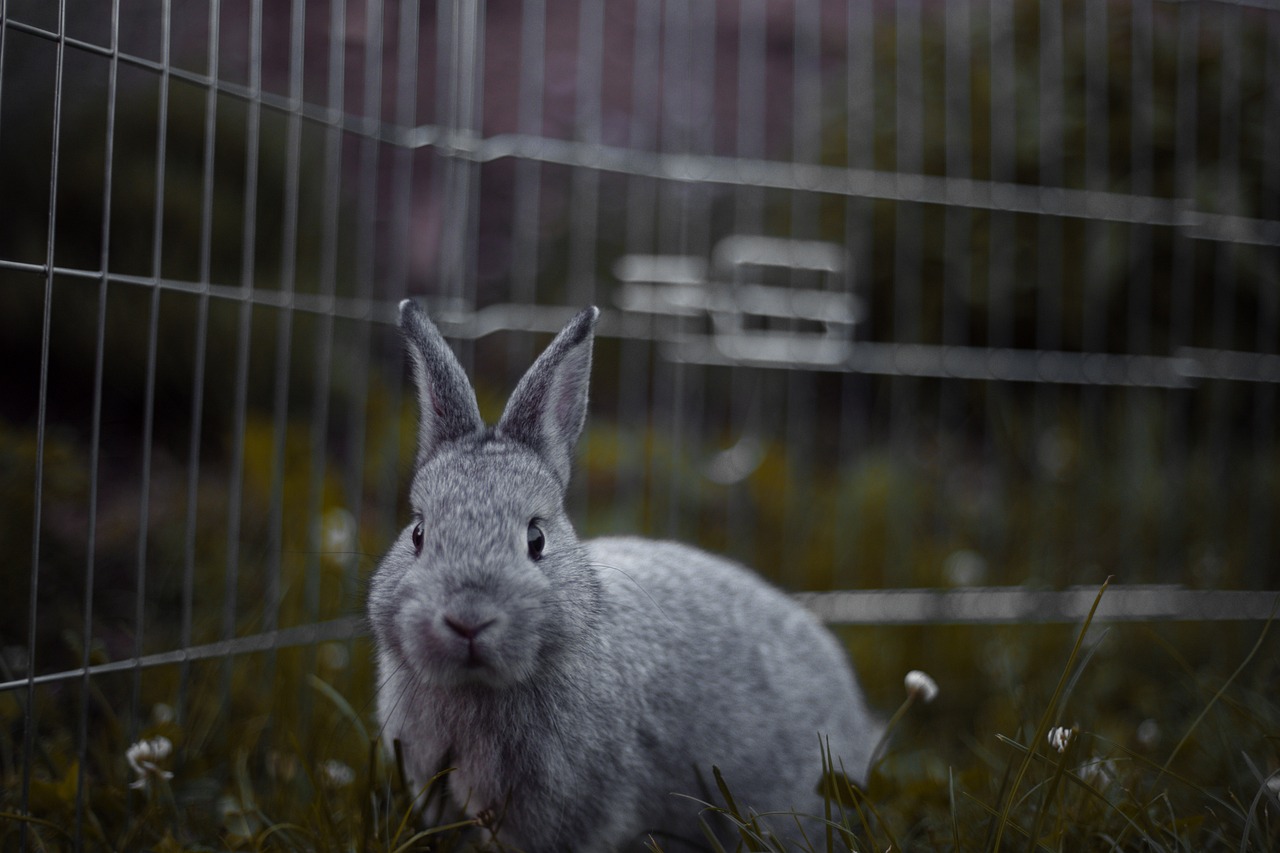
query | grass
[299, 767]
[1176, 726]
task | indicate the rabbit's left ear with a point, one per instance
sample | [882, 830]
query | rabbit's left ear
[549, 406]
[447, 403]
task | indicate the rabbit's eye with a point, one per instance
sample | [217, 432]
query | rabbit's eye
[418, 536]
[537, 541]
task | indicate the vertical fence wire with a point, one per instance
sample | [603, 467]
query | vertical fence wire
[1098, 238]
[461, 67]
[368, 203]
[708, 207]
[957, 236]
[1182, 273]
[285, 320]
[674, 115]
[1050, 440]
[158, 243]
[1140, 403]
[908, 223]
[636, 411]
[584, 184]
[700, 127]
[584, 190]
[198, 379]
[1001, 238]
[746, 412]
[1220, 322]
[28, 742]
[244, 332]
[799, 429]
[335, 103]
[471, 70]
[113, 71]
[1263, 505]
[527, 193]
[860, 82]
[95, 448]
[402, 231]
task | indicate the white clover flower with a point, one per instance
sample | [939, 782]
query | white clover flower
[1059, 737]
[335, 774]
[920, 686]
[145, 757]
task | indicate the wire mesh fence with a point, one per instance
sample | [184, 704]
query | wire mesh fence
[897, 296]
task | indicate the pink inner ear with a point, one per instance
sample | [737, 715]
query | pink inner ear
[435, 404]
[435, 428]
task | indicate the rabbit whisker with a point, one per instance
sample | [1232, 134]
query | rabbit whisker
[410, 684]
[638, 586]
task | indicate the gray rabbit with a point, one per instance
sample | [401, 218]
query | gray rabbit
[580, 688]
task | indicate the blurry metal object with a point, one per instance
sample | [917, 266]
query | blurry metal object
[661, 269]
[1011, 605]
[969, 606]
[749, 320]
[743, 250]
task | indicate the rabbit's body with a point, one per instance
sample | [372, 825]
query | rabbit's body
[766, 679]
[578, 688]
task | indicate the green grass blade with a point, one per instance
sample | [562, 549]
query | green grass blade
[1046, 720]
[1053, 786]
[261, 837]
[955, 823]
[340, 702]
[1223, 689]
[433, 831]
[1097, 794]
[366, 807]
[35, 821]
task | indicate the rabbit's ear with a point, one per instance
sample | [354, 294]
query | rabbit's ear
[549, 406]
[446, 400]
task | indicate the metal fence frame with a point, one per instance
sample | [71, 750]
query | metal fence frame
[677, 157]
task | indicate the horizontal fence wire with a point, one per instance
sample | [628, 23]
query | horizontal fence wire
[1002, 364]
[1013, 605]
[947, 191]
[1178, 370]
[883, 607]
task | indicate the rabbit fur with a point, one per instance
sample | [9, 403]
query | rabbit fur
[579, 691]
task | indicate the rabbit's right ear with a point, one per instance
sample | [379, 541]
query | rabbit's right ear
[549, 406]
[446, 401]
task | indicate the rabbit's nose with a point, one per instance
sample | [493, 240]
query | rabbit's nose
[467, 628]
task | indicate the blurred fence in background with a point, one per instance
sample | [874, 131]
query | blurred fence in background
[932, 296]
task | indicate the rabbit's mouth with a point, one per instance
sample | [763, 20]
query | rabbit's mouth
[472, 661]
[475, 658]
[464, 643]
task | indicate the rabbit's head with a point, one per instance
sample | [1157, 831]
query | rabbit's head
[488, 583]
